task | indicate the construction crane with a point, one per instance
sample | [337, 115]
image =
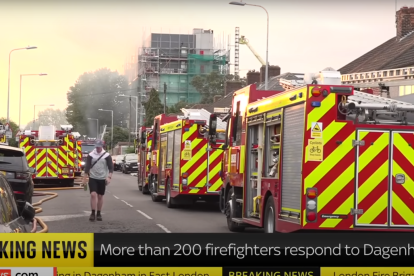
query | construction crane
[245, 41]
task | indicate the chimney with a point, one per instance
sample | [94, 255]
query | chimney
[252, 77]
[216, 98]
[232, 86]
[404, 21]
[273, 72]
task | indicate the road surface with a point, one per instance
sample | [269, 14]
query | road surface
[127, 210]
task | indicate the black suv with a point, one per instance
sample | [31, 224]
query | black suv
[13, 165]
[130, 163]
[10, 221]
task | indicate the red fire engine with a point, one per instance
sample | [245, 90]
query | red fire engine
[320, 156]
[144, 158]
[51, 153]
[184, 169]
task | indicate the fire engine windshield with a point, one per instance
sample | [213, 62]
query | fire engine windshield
[88, 148]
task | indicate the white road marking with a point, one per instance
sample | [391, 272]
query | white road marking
[116, 197]
[63, 217]
[127, 203]
[163, 228]
[145, 215]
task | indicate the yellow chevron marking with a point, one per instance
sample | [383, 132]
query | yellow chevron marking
[30, 155]
[348, 174]
[194, 191]
[187, 134]
[319, 172]
[397, 203]
[195, 158]
[52, 172]
[373, 211]
[40, 161]
[216, 185]
[317, 113]
[330, 131]
[402, 209]
[203, 181]
[363, 191]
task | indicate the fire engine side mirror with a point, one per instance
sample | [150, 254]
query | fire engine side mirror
[142, 140]
[212, 126]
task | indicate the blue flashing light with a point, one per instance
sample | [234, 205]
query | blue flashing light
[300, 95]
[316, 104]
[186, 129]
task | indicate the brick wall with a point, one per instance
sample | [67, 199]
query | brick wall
[253, 77]
[232, 86]
[405, 21]
[273, 71]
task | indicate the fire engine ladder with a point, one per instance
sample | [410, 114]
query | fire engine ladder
[245, 41]
[371, 109]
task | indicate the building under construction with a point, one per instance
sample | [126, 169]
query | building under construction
[175, 59]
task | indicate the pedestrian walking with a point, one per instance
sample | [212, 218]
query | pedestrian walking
[99, 168]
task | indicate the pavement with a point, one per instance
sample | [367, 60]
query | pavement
[127, 210]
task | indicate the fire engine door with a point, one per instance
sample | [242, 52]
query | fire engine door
[384, 179]
[162, 158]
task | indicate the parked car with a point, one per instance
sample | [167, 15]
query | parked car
[10, 220]
[13, 165]
[114, 160]
[130, 163]
[118, 162]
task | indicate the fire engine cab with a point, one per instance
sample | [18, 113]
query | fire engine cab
[144, 158]
[319, 156]
[51, 153]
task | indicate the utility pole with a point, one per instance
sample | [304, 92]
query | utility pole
[129, 127]
[165, 97]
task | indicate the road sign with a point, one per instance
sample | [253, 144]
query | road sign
[9, 134]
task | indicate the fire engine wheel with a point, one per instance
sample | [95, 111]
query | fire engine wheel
[169, 200]
[269, 219]
[153, 190]
[230, 213]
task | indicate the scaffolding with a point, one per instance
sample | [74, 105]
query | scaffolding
[175, 60]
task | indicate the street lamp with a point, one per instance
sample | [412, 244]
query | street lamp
[97, 126]
[136, 111]
[8, 86]
[20, 99]
[112, 128]
[267, 38]
[34, 111]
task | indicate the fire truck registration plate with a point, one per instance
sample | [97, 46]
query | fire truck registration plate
[65, 170]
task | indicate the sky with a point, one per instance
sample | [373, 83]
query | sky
[74, 37]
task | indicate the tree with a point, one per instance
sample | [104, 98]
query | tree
[130, 150]
[212, 84]
[49, 117]
[153, 107]
[93, 91]
[177, 108]
[120, 135]
[15, 128]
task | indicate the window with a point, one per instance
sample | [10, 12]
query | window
[10, 159]
[8, 207]
[237, 127]
[170, 149]
[163, 150]
[272, 151]
[177, 155]
[406, 90]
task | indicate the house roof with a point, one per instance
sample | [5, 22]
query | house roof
[391, 54]
[223, 102]
[274, 82]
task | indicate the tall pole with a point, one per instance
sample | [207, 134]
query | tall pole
[112, 132]
[165, 97]
[267, 39]
[20, 101]
[136, 117]
[34, 116]
[267, 53]
[8, 79]
[129, 128]
[97, 128]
